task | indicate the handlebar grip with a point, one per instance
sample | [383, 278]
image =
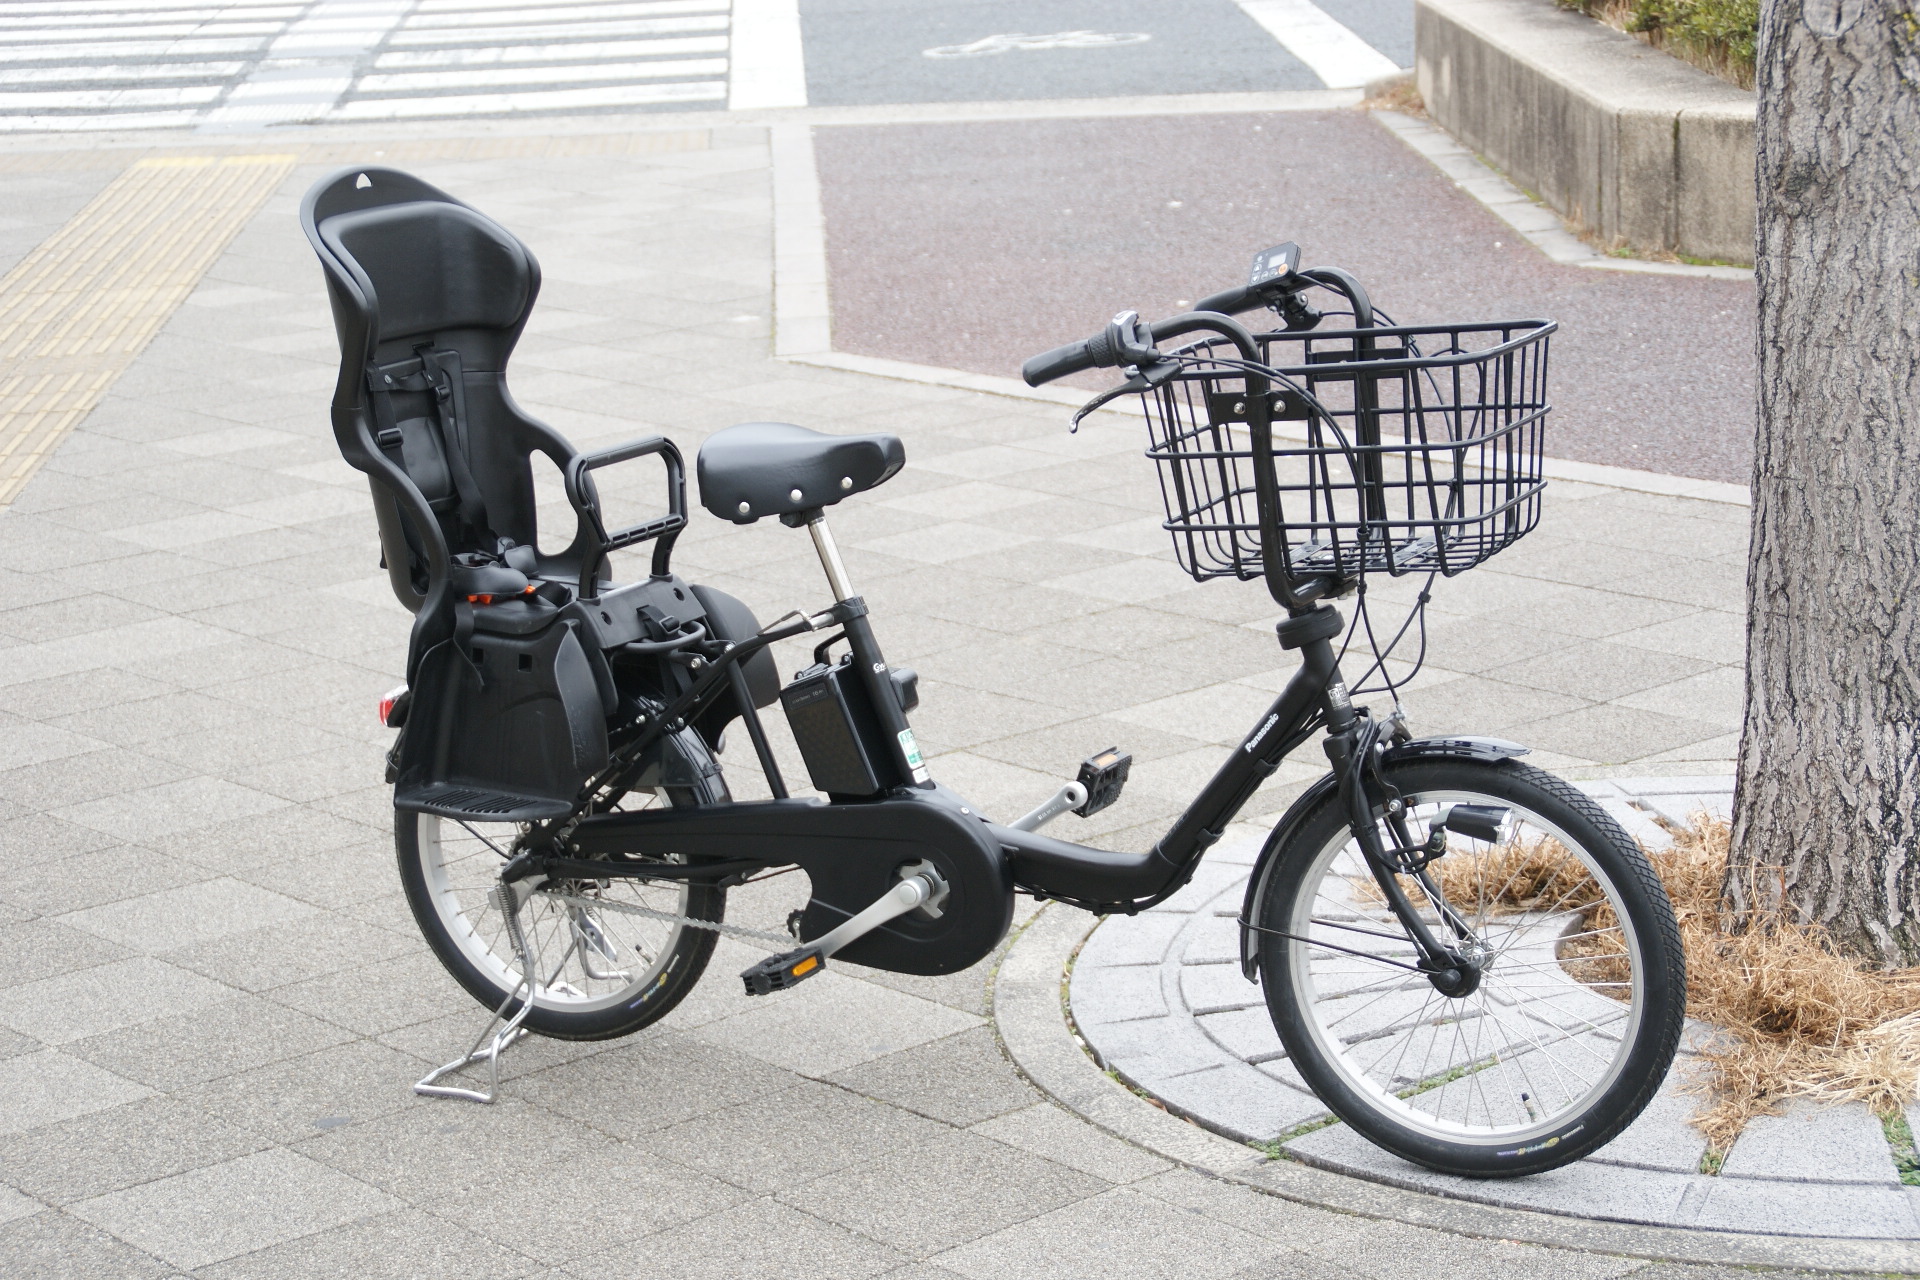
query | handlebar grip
[1075, 357]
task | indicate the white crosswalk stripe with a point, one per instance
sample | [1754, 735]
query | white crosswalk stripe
[176, 64]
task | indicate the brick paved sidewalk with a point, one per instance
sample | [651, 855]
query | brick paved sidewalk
[216, 1001]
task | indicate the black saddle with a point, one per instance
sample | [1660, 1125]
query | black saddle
[777, 469]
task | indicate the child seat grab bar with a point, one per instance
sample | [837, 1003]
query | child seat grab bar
[585, 497]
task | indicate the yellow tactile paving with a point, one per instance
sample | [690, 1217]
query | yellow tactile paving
[77, 310]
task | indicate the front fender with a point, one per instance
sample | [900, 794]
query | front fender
[1490, 750]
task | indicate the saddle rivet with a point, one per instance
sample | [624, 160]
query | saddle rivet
[846, 482]
[794, 496]
[745, 509]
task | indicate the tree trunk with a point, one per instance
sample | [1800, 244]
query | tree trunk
[1827, 815]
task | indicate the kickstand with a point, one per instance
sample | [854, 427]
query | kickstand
[507, 902]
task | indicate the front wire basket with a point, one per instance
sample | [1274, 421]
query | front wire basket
[1407, 449]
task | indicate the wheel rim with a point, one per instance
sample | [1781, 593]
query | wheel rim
[1552, 1022]
[587, 958]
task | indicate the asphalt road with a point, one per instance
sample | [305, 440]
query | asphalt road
[975, 246]
[234, 64]
[866, 51]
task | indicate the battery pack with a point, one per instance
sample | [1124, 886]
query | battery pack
[838, 735]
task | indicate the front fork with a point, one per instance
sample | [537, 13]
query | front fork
[1364, 792]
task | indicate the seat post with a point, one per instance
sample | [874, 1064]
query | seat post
[829, 553]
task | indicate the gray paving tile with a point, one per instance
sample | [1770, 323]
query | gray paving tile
[170, 808]
[450, 1148]
[402, 1245]
[104, 998]
[1812, 1209]
[212, 1214]
[230, 1035]
[952, 1188]
[372, 998]
[1610, 733]
[1062, 1137]
[1598, 670]
[106, 1150]
[186, 915]
[55, 1246]
[758, 1240]
[46, 948]
[322, 942]
[962, 1079]
[315, 1092]
[1812, 1143]
[845, 1022]
[1662, 1138]
[785, 1138]
[1120, 1232]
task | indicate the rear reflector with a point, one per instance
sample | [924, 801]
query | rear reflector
[387, 700]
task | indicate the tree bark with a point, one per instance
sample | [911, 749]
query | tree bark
[1827, 813]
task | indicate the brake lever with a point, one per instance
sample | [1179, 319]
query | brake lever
[1141, 379]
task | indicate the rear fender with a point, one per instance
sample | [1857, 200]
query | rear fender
[1490, 750]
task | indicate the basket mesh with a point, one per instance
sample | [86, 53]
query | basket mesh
[1419, 455]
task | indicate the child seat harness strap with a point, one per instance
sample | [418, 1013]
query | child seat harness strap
[432, 449]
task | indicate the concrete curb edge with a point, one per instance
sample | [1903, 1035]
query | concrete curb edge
[1031, 1026]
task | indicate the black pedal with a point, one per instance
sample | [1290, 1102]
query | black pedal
[1104, 776]
[778, 973]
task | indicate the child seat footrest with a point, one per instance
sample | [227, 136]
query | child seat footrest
[476, 804]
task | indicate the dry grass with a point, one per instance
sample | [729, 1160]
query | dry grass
[1795, 1018]
[1400, 94]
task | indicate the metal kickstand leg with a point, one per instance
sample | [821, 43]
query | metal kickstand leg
[507, 902]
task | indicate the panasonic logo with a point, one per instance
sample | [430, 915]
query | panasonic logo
[1261, 732]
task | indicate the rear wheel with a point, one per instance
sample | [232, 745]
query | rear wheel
[1581, 988]
[608, 963]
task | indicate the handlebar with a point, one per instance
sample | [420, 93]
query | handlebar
[1127, 341]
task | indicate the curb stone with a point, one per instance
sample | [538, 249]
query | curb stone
[1027, 999]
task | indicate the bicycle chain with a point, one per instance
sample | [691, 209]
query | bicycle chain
[781, 940]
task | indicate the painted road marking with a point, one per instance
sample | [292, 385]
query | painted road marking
[769, 67]
[1339, 57]
[989, 45]
[76, 311]
[159, 64]
[615, 51]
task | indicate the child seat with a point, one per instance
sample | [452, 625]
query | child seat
[512, 682]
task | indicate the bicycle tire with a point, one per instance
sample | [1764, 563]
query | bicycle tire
[1352, 1022]
[450, 907]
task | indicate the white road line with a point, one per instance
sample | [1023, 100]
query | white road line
[520, 14]
[179, 30]
[605, 51]
[516, 103]
[119, 8]
[140, 49]
[107, 99]
[117, 120]
[1333, 52]
[769, 65]
[12, 17]
[461, 78]
[145, 71]
[560, 31]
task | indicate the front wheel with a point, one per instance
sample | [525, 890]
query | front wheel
[1581, 984]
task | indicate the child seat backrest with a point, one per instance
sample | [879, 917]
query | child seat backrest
[429, 297]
